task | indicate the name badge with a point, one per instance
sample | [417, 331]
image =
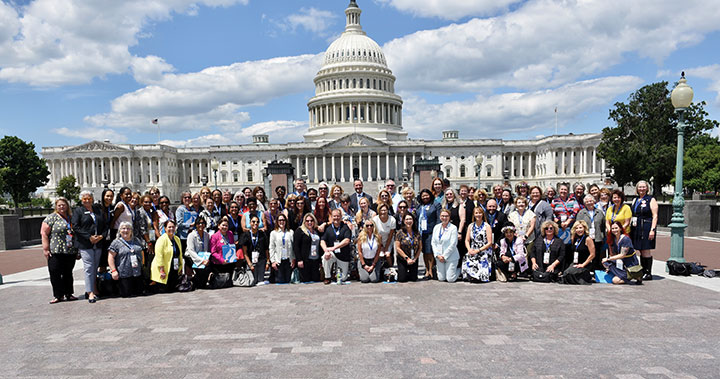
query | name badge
[575, 257]
[423, 224]
[284, 252]
[563, 217]
[592, 233]
[255, 256]
[619, 264]
[634, 221]
[546, 258]
[511, 266]
[68, 240]
[134, 261]
[176, 263]
[313, 250]
[235, 237]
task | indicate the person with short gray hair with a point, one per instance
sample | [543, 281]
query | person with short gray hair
[89, 225]
[125, 260]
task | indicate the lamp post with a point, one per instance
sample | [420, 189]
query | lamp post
[214, 164]
[478, 169]
[681, 98]
[506, 177]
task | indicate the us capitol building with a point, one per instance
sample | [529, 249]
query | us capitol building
[355, 130]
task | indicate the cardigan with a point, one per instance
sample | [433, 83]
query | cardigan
[278, 240]
[163, 258]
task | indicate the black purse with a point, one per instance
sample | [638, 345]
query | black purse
[185, 284]
[678, 268]
[221, 280]
[541, 276]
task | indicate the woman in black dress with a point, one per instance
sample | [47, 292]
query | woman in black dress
[306, 245]
[579, 257]
[548, 252]
[643, 226]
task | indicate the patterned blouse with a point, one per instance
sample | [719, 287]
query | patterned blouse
[410, 245]
[60, 234]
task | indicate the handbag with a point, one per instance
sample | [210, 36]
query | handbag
[678, 268]
[576, 275]
[185, 284]
[221, 280]
[295, 276]
[541, 276]
[634, 272]
[242, 277]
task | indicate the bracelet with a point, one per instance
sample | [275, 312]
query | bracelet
[112, 271]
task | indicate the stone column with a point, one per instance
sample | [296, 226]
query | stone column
[324, 170]
[572, 161]
[102, 169]
[395, 174]
[297, 166]
[342, 167]
[307, 168]
[75, 171]
[332, 163]
[129, 171]
[594, 161]
[315, 169]
[360, 166]
[512, 165]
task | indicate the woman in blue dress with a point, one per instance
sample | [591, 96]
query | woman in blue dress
[643, 226]
[621, 255]
[427, 215]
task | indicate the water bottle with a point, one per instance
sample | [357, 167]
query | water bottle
[338, 274]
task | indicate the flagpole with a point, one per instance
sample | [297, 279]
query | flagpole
[556, 121]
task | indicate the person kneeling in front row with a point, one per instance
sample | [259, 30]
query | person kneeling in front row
[548, 253]
[335, 244]
[444, 247]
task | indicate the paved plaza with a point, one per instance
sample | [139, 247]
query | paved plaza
[664, 328]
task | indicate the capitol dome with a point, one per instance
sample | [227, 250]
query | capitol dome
[354, 89]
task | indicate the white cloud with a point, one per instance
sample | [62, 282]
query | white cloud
[497, 115]
[58, 42]
[278, 131]
[546, 43]
[711, 73]
[311, 19]
[449, 9]
[211, 97]
[89, 134]
[150, 69]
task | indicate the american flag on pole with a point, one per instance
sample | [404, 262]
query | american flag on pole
[555, 112]
[155, 121]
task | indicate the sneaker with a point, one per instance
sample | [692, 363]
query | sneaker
[326, 281]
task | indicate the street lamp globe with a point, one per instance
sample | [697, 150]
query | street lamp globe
[682, 95]
[214, 164]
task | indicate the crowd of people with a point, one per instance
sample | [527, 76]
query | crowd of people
[138, 243]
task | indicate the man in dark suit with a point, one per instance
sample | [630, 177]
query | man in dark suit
[358, 185]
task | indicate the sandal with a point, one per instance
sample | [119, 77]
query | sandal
[70, 298]
[55, 300]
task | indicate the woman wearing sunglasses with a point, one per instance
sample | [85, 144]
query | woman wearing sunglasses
[368, 245]
[306, 245]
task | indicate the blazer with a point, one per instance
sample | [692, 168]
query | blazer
[276, 245]
[163, 258]
[84, 226]
[354, 201]
[598, 221]
[446, 245]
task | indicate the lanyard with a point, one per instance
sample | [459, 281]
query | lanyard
[126, 243]
[235, 223]
[411, 238]
[592, 216]
[614, 214]
[284, 232]
[510, 246]
[127, 208]
[637, 203]
[225, 239]
[254, 239]
[371, 243]
[68, 224]
[564, 204]
[442, 230]
[577, 245]
[491, 219]
[336, 230]
[547, 245]
[424, 210]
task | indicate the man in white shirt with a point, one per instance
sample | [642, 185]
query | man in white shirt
[396, 197]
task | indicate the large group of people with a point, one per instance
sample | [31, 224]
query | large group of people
[142, 245]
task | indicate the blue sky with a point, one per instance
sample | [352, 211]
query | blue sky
[218, 71]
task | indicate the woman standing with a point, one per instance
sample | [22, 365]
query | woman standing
[542, 209]
[122, 211]
[211, 216]
[252, 211]
[89, 226]
[185, 216]
[408, 245]
[255, 249]
[383, 198]
[107, 196]
[452, 203]
[480, 199]
[506, 205]
[524, 220]
[336, 191]
[234, 221]
[306, 244]
[565, 209]
[385, 226]
[295, 214]
[162, 215]
[427, 216]
[271, 215]
[548, 252]
[147, 232]
[167, 265]
[259, 195]
[198, 252]
[594, 218]
[618, 211]
[477, 265]
[512, 256]
[125, 259]
[364, 212]
[368, 245]
[438, 190]
[579, 258]
[409, 196]
[322, 214]
[57, 235]
[402, 210]
[644, 226]
[282, 255]
[444, 246]
[622, 254]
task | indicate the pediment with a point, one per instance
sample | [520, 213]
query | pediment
[96, 146]
[355, 140]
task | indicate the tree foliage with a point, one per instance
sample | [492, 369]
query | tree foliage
[22, 171]
[702, 165]
[643, 142]
[66, 188]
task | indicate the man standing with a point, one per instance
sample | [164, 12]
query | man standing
[300, 189]
[358, 185]
[396, 197]
[497, 193]
[335, 244]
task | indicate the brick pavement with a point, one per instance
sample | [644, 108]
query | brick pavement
[427, 329]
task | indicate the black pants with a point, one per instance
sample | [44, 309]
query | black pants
[283, 273]
[132, 286]
[406, 272]
[172, 281]
[599, 255]
[310, 271]
[200, 279]
[259, 272]
[60, 267]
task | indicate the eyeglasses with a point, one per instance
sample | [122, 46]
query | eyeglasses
[281, 220]
[164, 202]
[369, 226]
[346, 201]
[254, 222]
[187, 197]
[402, 206]
[549, 228]
[309, 220]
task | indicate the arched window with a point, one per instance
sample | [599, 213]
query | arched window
[235, 176]
[249, 175]
[447, 172]
[462, 171]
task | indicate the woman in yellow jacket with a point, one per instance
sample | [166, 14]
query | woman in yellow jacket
[167, 265]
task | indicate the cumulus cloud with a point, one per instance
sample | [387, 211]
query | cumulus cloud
[211, 97]
[545, 44]
[311, 19]
[513, 112]
[449, 9]
[58, 42]
[711, 73]
[150, 69]
[90, 134]
[279, 131]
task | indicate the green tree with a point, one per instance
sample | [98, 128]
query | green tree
[702, 165]
[22, 171]
[643, 142]
[66, 188]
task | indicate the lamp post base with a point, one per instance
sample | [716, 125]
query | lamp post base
[677, 241]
